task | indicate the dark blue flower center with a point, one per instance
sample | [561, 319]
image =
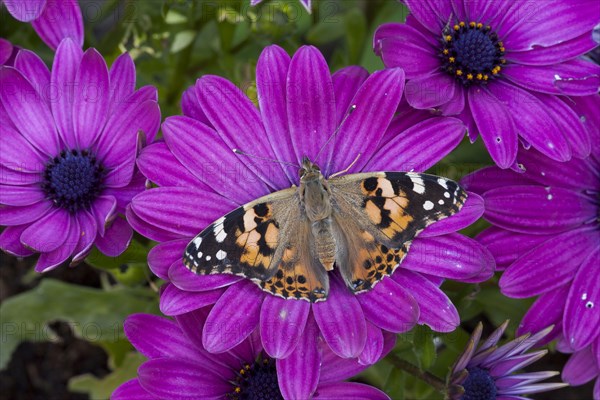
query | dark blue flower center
[479, 385]
[471, 52]
[73, 180]
[257, 381]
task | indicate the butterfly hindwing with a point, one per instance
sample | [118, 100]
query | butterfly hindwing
[267, 241]
[379, 214]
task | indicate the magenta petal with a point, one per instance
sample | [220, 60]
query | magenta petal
[125, 194]
[122, 80]
[492, 177]
[547, 310]
[298, 374]
[549, 265]
[432, 14]
[116, 238]
[60, 19]
[66, 64]
[88, 230]
[366, 125]
[507, 246]
[472, 210]
[373, 347]
[575, 77]
[10, 241]
[131, 390]
[9, 176]
[238, 123]
[156, 337]
[554, 54]
[174, 301]
[346, 83]
[310, 105]
[92, 97]
[28, 111]
[17, 154]
[409, 50]
[456, 105]
[180, 217]
[581, 368]
[50, 260]
[537, 209]
[121, 134]
[451, 256]
[23, 215]
[6, 49]
[147, 229]
[390, 307]
[177, 379]
[190, 106]
[161, 256]
[581, 319]
[348, 390]
[419, 147]
[341, 320]
[282, 324]
[25, 10]
[203, 152]
[430, 91]
[546, 26]
[569, 124]
[21, 195]
[33, 68]
[185, 279]
[170, 173]
[104, 209]
[271, 77]
[495, 126]
[533, 120]
[49, 232]
[437, 310]
[235, 315]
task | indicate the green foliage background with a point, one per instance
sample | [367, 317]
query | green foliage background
[174, 42]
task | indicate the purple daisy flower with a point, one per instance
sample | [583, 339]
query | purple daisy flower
[301, 104]
[53, 20]
[583, 366]
[69, 141]
[305, 3]
[486, 371]
[504, 67]
[548, 217]
[178, 367]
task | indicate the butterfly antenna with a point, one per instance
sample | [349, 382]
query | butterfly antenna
[347, 168]
[334, 134]
[243, 153]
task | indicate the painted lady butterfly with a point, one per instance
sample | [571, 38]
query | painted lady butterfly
[287, 241]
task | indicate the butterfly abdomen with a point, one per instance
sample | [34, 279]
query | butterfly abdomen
[325, 244]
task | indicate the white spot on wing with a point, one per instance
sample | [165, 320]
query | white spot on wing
[208, 258]
[199, 254]
[197, 242]
[221, 255]
[428, 205]
[220, 235]
[440, 202]
[447, 195]
[418, 184]
[443, 183]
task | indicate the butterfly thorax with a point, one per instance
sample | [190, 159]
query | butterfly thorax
[315, 198]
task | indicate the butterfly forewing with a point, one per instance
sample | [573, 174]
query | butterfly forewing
[268, 241]
[379, 214]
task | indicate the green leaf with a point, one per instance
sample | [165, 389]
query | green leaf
[173, 17]
[93, 314]
[356, 30]
[101, 389]
[182, 40]
[136, 253]
[424, 347]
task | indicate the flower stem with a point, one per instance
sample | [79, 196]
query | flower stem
[425, 376]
